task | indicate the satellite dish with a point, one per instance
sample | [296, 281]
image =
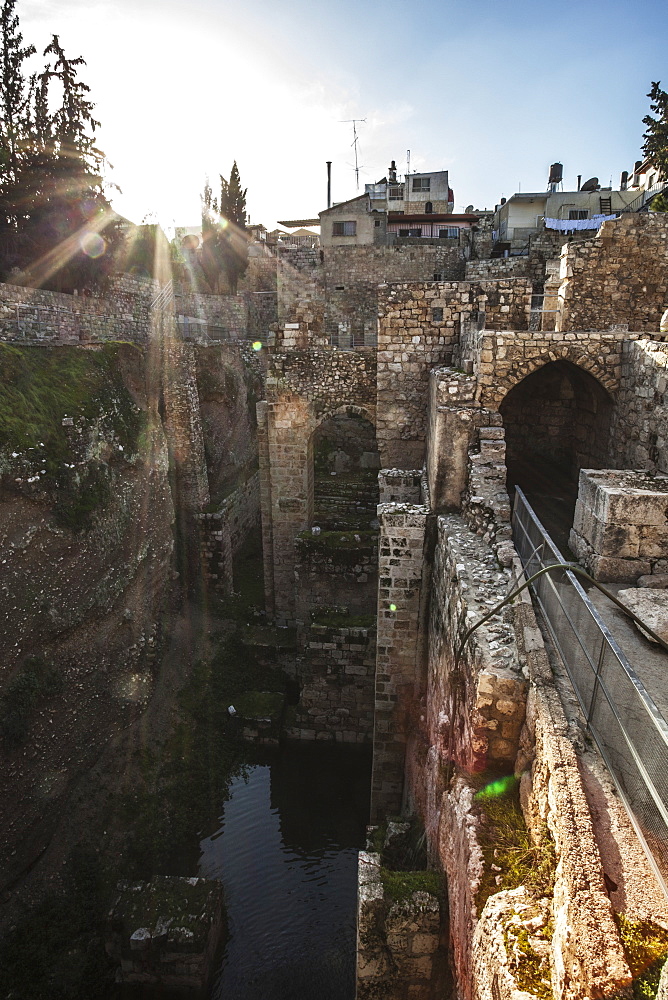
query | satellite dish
[468, 209]
[590, 185]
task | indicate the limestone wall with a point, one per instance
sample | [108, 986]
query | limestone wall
[122, 313]
[224, 531]
[618, 278]
[419, 328]
[351, 276]
[639, 438]
[400, 570]
[336, 674]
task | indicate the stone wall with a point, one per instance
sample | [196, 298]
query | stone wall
[620, 278]
[123, 313]
[638, 437]
[223, 532]
[351, 276]
[490, 703]
[400, 485]
[336, 674]
[400, 569]
[500, 359]
[419, 328]
[335, 569]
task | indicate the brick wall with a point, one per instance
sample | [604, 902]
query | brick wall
[223, 532]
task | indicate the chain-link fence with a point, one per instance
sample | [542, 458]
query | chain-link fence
[627, 727]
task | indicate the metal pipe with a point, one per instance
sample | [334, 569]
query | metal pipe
[329, 183]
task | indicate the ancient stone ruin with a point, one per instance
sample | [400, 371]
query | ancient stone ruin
[401, 401]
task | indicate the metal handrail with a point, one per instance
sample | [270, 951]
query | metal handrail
[631, 734]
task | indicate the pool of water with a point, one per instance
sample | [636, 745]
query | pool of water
[285, 850]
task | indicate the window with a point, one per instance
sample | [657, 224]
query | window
[451, 233]
[438, 276]
[404, 232]
[376, 223]
[429, 208]
[578, 213]
[415, 232]
[396, 193]
[344, 229]
[422, 183]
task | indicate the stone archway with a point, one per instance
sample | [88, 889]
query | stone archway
[557, 421]
[345, 460]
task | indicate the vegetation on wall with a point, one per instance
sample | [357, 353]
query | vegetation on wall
[47, 397]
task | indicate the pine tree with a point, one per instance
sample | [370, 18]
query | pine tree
[50, 167]
[224, 242]
[233, 218]
[655, 146]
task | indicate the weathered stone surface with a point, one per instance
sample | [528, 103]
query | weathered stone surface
[651, 606]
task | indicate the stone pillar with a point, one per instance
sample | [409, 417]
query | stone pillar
[401, 556]
[261, 409]
[287, 464]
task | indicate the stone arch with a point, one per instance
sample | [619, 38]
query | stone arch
[557, 421]
[343, 468]
[492, 396]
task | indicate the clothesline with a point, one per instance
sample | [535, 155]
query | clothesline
[568, 225]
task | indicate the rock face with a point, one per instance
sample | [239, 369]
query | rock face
[167, 931]
[86, 546]
[398, 941]
[651, 606]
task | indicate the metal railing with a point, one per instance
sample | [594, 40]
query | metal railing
[624, 722]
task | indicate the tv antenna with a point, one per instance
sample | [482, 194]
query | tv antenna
[354, 122]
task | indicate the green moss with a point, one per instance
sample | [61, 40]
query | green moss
[646, 949]
[400, 886]
[532, 973]
[34, 682]
[507, 845]
[338, 546]
[39, 387]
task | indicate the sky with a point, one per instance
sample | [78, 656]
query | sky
[491, 90]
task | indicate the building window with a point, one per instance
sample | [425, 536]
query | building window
[422, 183]
[428, 208]
[437, 315]
[396, 194]
[578, 213]
[438, 276]
[376, 223]
[451, 233]
[415, 232]
[344, 229]
[404, 232]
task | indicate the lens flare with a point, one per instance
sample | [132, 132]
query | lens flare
[498, 787]
[393, 607]
[257, 345]
[93, 245]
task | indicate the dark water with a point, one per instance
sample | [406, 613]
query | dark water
[286, 852]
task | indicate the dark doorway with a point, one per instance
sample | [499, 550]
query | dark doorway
[557, 422]
[346, 463]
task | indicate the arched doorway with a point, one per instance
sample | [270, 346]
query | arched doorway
[557, 421]
[345, 467]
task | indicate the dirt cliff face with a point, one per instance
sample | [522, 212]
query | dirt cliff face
[85, 562]
[228, 384]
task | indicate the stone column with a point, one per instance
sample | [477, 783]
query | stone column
[401, 548]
